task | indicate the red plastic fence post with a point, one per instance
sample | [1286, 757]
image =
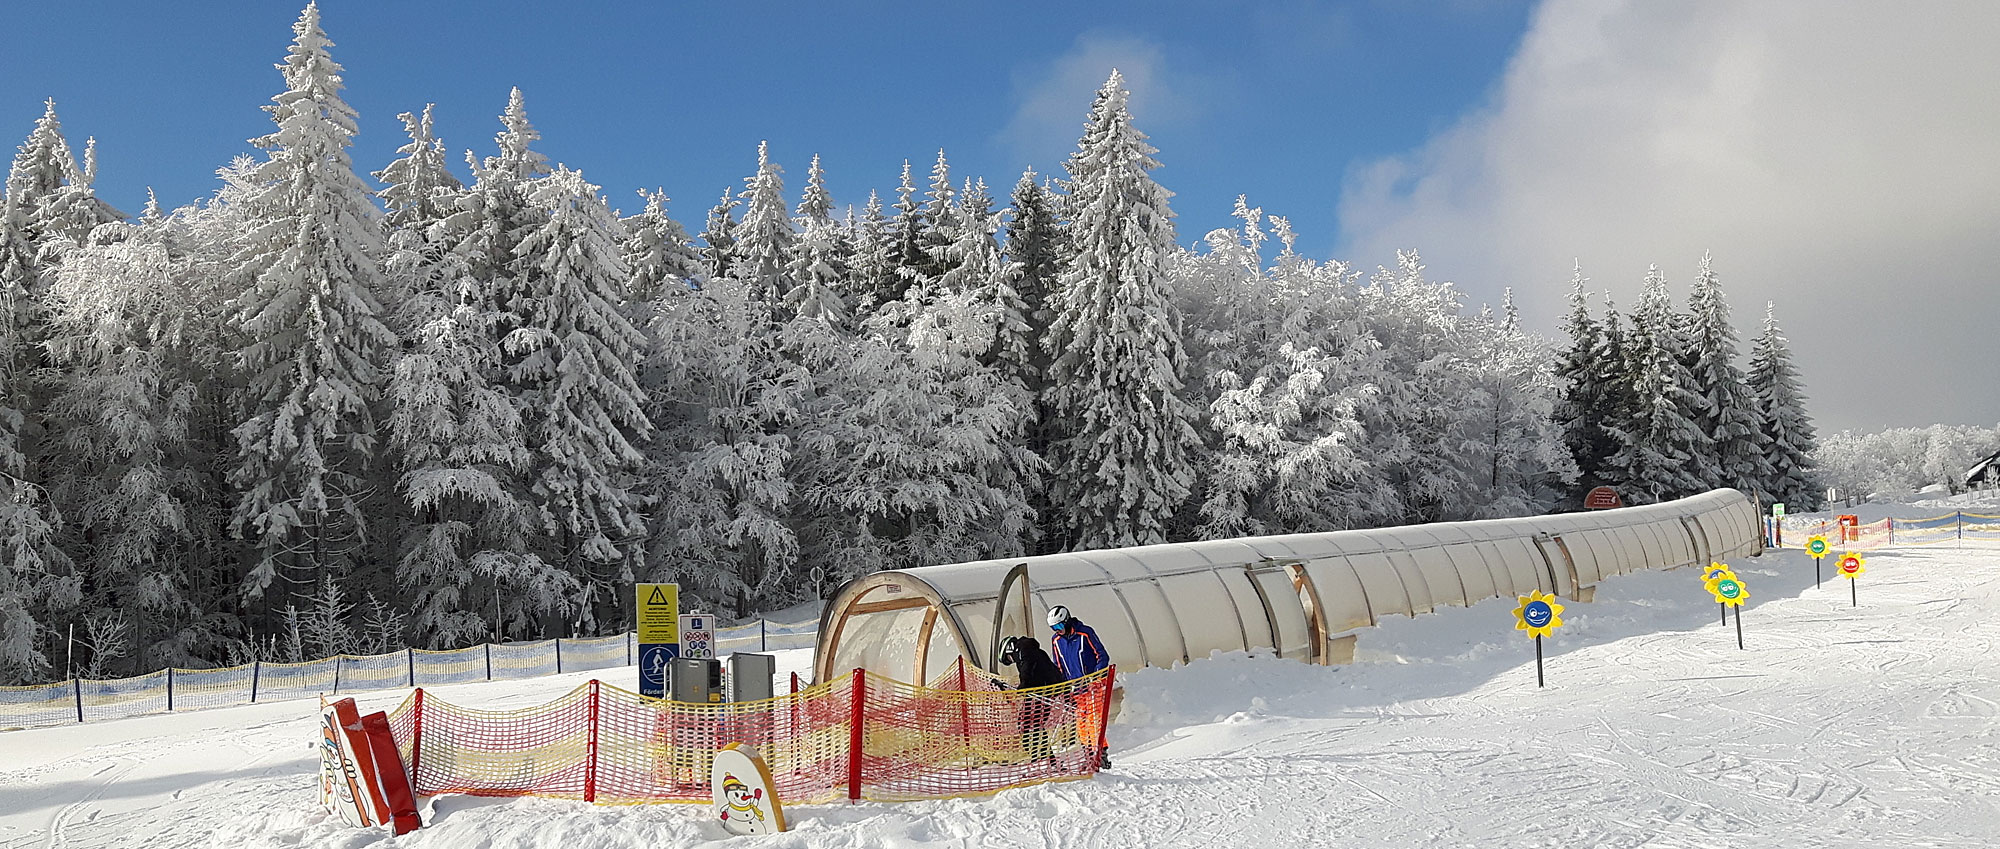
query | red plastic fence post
[854, 722]
[1891, 522]
[590, 762]
[1104, 716]
[417, 745]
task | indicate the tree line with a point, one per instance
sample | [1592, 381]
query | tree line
[311, 415]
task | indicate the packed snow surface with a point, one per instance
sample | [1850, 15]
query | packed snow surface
[1838, 726]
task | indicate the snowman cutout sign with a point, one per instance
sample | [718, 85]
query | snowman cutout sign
[742, 793]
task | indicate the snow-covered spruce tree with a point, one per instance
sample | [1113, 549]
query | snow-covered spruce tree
[1614, 377]
[818, 265]
[1507, 433]
[906, 235]
[1728, 412]
[1033, 262]
[311, 316]
[1120, 467]
[726, 398]
[871, 270]
[417, 187]
[764, 238]
[1291, 370]
[71, 215]
[719, 238]
[1424, 389]
[1788, 428]
[915, 459]
[972, 262]
[467, 566]
[942, 227]
[487, 223]
[573, 374]
[1585, 405]
[659, 254]
[1660, 445]
[124, 420]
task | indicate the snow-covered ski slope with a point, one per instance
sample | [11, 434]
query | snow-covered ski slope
[1839, 726]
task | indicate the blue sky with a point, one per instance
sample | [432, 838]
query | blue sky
[1838, 159]
[1274, 100]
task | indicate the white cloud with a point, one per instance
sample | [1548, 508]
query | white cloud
[1053, 99]
[1842, 159]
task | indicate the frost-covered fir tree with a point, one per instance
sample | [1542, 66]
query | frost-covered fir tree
[1120, 467]
[1660, 445]
[662, 259]
[131, 484]
[764, 238]
[1586, 406]
[726, 398]
[417, 187]
[971, 262]
[906, 237]
[818, 265]
[916, 459]
[1033, 262]
[1789, 436]
[872, 269]
[466, 566]
[311, 316]
[573, 372]
[1728, 412]
[943, 225]
[719, 238]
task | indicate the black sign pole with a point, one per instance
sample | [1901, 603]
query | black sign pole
[1739, 627]
[1539, 680]
[1725, 612]
[1815, 573]
[1854, 595]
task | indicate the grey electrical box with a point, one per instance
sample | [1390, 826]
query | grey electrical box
[697, 679]
[751, 676]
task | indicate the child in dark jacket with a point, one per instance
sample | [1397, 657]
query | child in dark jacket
[1037, 670]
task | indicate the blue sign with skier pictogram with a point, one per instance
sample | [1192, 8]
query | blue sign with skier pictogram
[653, 663]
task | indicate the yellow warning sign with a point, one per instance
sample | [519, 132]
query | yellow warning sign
[659, 613]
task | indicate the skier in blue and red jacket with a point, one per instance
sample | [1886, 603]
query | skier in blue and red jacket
[1075, 647]
[1077, 653]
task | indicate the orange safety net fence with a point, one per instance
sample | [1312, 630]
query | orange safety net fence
[861, 736]
[1883, 533]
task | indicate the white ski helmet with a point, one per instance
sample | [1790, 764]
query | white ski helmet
[1058, 615]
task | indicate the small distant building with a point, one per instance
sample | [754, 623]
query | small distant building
[1984, 474]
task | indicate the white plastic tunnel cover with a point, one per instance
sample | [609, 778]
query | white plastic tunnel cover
[1301, 596]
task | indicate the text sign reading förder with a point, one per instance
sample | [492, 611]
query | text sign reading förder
[657, 611]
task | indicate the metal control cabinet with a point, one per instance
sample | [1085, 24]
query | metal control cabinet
[697, 680]
[752, 676]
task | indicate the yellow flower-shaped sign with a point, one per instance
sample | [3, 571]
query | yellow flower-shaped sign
[1851, 565]
[1817, 546]
[1716, 573]
[1730, 591]
[1539, 614]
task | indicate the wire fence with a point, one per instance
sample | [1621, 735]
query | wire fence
[859, 736]
[90, 700]
[1792, 532]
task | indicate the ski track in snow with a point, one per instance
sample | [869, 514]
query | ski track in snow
[1838, 726]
